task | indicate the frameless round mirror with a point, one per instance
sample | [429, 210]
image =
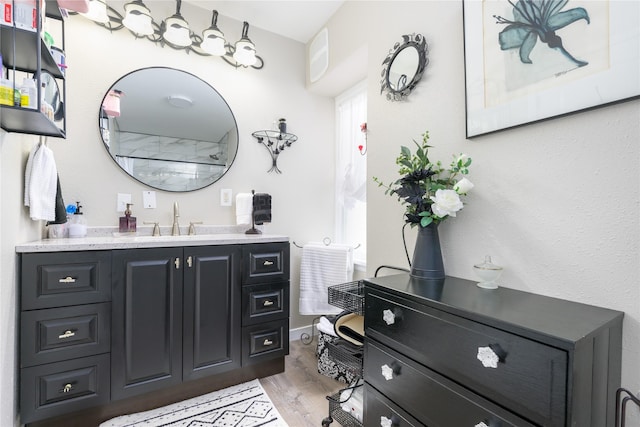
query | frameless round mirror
[404, 66]
[168, 129]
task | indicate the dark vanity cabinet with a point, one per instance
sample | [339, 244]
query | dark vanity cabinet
[101, 327]
[449, 353]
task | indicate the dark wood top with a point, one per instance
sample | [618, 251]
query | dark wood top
[559, 322]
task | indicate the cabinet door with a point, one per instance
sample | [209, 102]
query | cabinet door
[146, 321]
[211, 310]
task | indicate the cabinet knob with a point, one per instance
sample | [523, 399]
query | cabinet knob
[388, 317]
[267, 342]
[481, 424]
[267, 303]
[67, 334]
[389, 422]
[67, 279]
[389, 371]
[267, 263]
[190, 261]
[66, 388]
[177, 263]
[491, 355]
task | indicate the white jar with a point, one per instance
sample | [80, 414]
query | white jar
[28, 94]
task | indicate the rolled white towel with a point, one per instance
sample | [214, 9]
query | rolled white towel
[326, 327]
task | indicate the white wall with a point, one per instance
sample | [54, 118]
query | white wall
[556, 203]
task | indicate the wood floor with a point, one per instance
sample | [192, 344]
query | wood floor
[299, 393]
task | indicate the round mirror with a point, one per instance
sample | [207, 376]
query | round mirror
[404, 66]
[168, 129]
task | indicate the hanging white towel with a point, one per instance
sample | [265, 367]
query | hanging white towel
[320, 267]
[244, 208]
[41, 179]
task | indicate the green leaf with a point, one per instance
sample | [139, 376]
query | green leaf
[426, 221]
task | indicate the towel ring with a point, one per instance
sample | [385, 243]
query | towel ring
[326, 241]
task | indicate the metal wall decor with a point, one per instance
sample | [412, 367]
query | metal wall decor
[275, 141]
[404, 66]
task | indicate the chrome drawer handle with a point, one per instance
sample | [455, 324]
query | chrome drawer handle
[481, 424]
[67, 334]
[67, 388]
[67, 279]
[388, 317]
[268, 263]
[387, 372]
[267, 342]
[385, 422]
[267, 303]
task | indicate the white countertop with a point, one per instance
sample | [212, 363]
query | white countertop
[105, 238]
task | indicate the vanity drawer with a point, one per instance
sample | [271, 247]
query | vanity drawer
[265, 341]
[267, 262]
[262, 303]
[55, 334]
[433, 399]
[65, 278]
[62, 387]
[529, 378]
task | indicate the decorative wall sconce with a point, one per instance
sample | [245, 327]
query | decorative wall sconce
[174, 32]
[275, 142]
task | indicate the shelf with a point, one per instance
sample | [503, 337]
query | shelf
[25, 120]
[25, 56]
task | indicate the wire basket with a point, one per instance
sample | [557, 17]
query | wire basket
[343, 358]
[348, 296]
[338, 414]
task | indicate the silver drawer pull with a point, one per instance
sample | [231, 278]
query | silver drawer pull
[387, 372]
[67, 279]
[67, 334]
[267, 342]
[267, 303]
[268, 263]
[388, 317]
[481, 424]
[67, 388]
[385, 422]
[488, 357]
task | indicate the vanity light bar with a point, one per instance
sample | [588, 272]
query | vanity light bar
[175, 32]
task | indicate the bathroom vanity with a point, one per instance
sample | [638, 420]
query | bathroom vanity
[117, 325]
[449, 353]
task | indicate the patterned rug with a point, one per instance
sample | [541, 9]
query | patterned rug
[243, 405]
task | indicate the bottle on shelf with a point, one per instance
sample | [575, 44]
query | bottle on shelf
[28, 94]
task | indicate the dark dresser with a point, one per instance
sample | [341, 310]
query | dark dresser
[450, 354]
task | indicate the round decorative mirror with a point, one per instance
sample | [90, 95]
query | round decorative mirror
[168, 129]
[404, 66]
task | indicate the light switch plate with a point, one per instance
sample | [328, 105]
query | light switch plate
[225, 197]
[123, 199]
[149, 199]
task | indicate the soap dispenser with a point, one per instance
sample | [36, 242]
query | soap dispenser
[128, 222]
[77, 222]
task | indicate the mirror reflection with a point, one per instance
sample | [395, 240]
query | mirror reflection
[168, 129]
[404, 66]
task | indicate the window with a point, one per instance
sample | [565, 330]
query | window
[351, 171]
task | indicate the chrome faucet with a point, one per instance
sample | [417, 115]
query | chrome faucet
[175, 230]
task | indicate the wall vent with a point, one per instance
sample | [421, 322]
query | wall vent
[319, 55]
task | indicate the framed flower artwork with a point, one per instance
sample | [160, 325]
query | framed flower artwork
[532, 60]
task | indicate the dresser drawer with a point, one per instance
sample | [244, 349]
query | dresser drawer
[267, 262]
[380, 411]
[265, 341]
[261, 303]
[55, 334]
[65, 278]
[431, 398]
[62, 387]
[529, 378]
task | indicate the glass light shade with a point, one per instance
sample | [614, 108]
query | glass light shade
[213, 42]
[177, 31]
[138, 18]
[97, 11]
[245, 52]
